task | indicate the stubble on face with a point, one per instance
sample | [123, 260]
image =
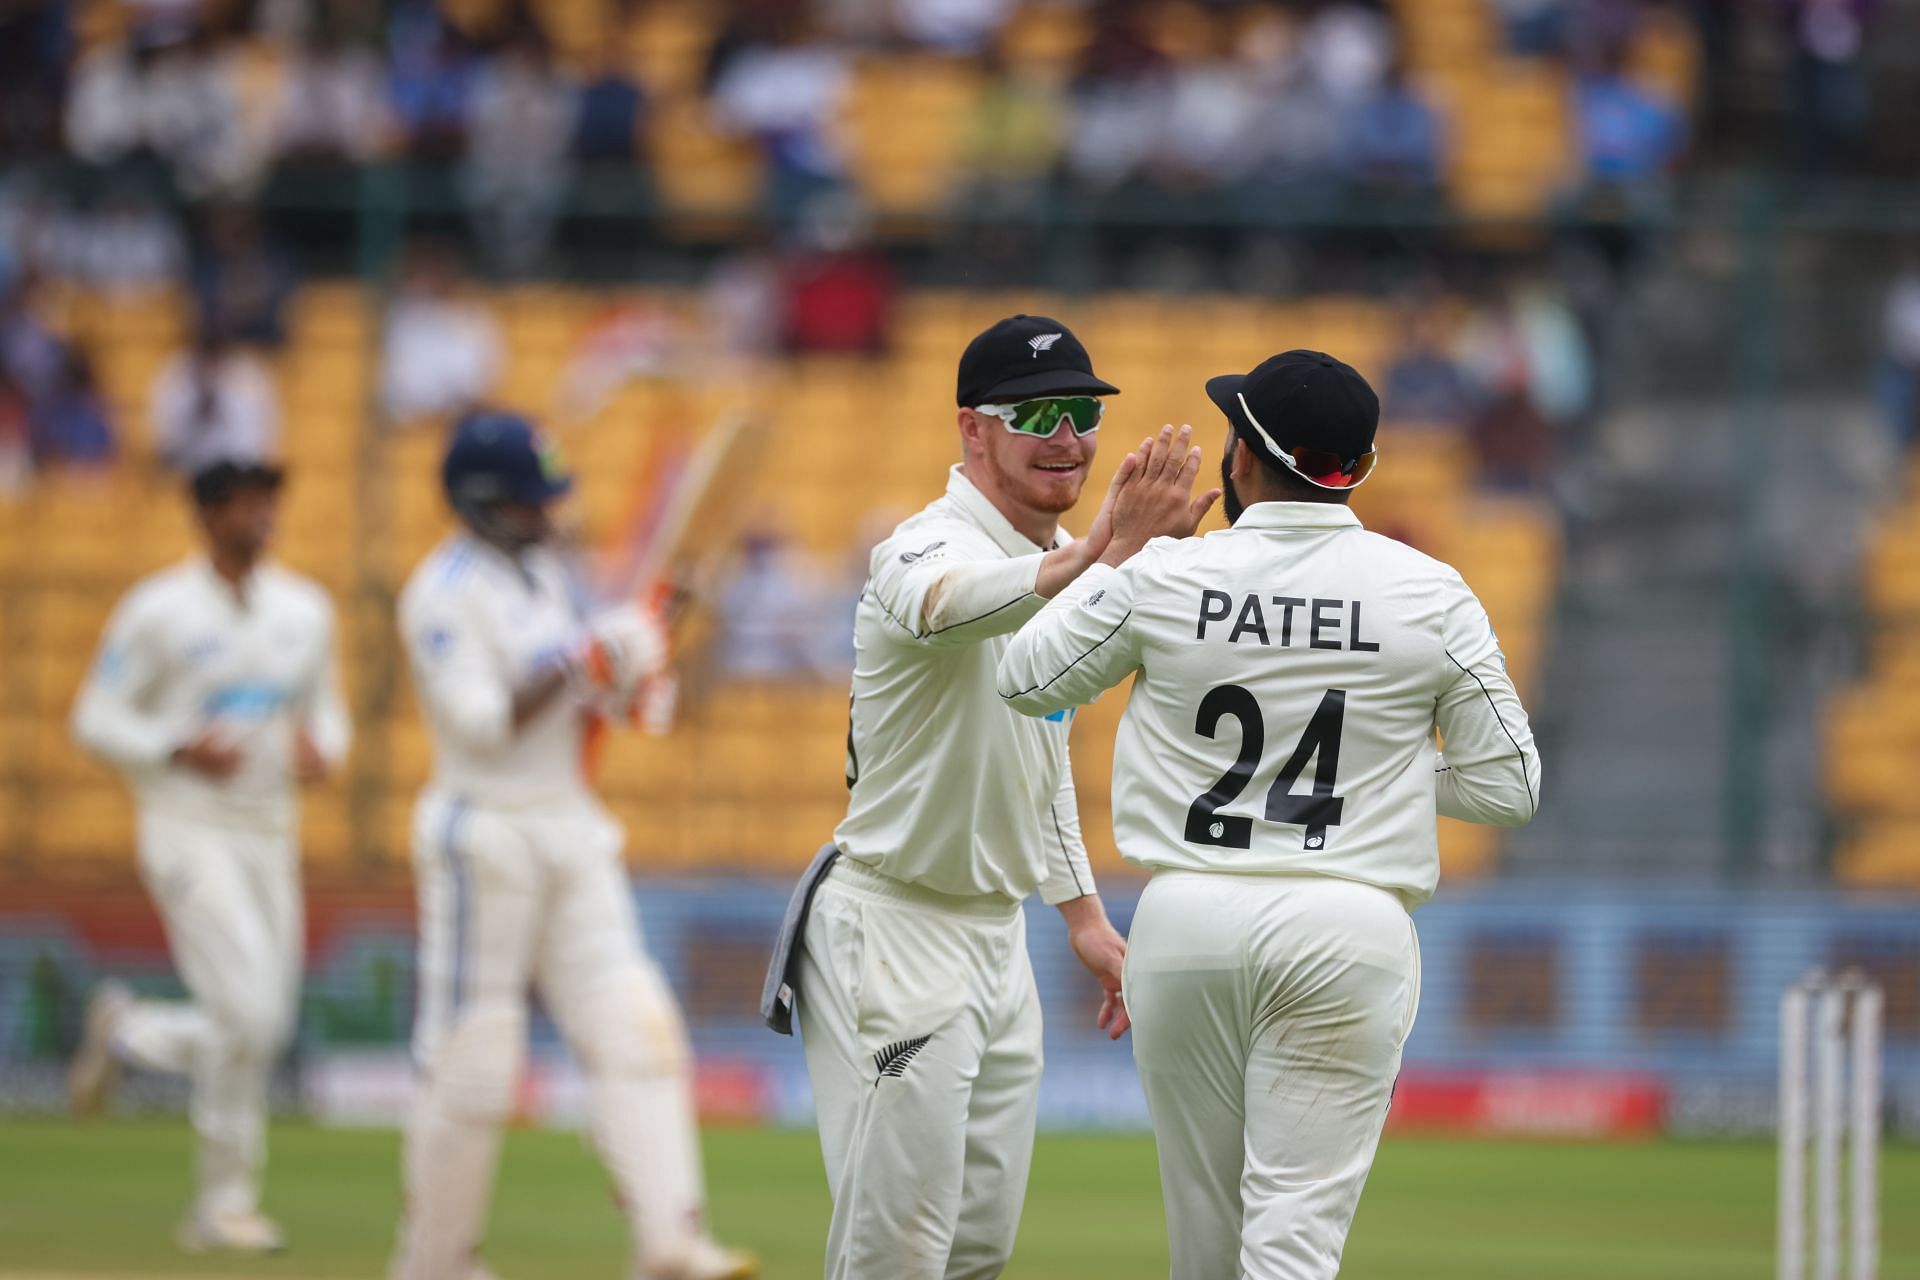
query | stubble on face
[1020, 467]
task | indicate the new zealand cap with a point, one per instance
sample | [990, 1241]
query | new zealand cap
[1024, 358]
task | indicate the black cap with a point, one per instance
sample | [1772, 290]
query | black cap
[1301, 400]
[214, 483]
[1023, 358]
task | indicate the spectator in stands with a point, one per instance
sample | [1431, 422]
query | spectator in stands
[1629, 139]
[1831, 106]
[837, 291]
[1426, 383]
[1013, 149]
[952, 26]
[1119, 98]
[175, 98]
[1900, 363]
[71, 428]
[241, 280]
[1300, 130]
[333, 107]
[609, 110]
[206, 127]
[130, 244]
[431, 70]
[1533, 28]
[1350, 47]
[784, 88]
[1394, 142]
[442, 352]
[30, 356]
[770, 613]
[16, 439]
[106, 120]
[1212, 115]
[742, 303]
[519, 128]
[1533, 370]
[36, 47]
[215, 400]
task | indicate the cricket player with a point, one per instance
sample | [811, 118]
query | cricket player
[1276, 770]
[911, 979]
[519, 878]
[215, 693]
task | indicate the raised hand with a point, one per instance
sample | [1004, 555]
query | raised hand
[1153, 495]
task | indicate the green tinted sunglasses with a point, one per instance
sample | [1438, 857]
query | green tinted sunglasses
[1041, 418]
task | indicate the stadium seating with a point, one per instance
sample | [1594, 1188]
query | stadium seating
[1873, 728]
[752, 776]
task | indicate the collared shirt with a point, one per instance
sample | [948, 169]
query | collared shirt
[1293, 672]
[952, 790]
[186, 653]
[479, 624]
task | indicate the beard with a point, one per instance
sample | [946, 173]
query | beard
[1230, 496]
[1035, 494]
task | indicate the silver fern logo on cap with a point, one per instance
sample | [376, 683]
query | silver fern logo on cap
[1043, 342]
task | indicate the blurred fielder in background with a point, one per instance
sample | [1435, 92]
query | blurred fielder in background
[214, 693]
[910, 972]
[519, 876]
[1274, 971]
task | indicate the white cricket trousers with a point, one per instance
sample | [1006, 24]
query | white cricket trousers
[1268, 1017]
[511, 900]
[922, 1032]
[230, 900]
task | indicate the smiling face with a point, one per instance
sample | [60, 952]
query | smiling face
[1042, 477]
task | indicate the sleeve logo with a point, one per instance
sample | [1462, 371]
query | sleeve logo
[908, 557]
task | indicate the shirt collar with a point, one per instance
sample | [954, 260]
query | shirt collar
[983, 513]
[240, 597]
[1298, 515]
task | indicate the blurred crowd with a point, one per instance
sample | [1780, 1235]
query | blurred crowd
[1302, 99]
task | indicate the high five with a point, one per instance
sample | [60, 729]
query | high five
[1277, 770]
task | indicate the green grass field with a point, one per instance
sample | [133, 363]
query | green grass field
[100, 1200]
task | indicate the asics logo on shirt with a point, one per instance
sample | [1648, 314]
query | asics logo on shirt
[908, 557]
[248, 700]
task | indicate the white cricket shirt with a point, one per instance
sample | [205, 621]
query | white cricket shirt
[478, 624]
[185, 653]
[951, 789]
[1293, 672]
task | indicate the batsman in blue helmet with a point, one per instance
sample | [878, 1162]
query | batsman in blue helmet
[519, 875]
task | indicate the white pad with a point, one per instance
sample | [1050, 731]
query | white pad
[467, 1090]
[474, 1069]
[643, 1122]
[634, 1028]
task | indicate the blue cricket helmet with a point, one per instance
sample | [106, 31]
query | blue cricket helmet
[497, 456]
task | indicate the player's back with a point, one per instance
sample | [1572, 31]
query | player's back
[1293, 668]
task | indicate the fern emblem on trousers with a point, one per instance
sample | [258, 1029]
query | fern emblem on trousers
[893, 1060]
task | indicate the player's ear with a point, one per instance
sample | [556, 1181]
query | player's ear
[969, 429]
[1240, 459]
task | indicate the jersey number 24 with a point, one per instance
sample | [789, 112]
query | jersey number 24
[1316, 811]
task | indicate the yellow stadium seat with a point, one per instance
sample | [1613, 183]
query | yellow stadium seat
[752, 775]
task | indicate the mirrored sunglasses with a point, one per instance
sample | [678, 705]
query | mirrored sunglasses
[1041, 418]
